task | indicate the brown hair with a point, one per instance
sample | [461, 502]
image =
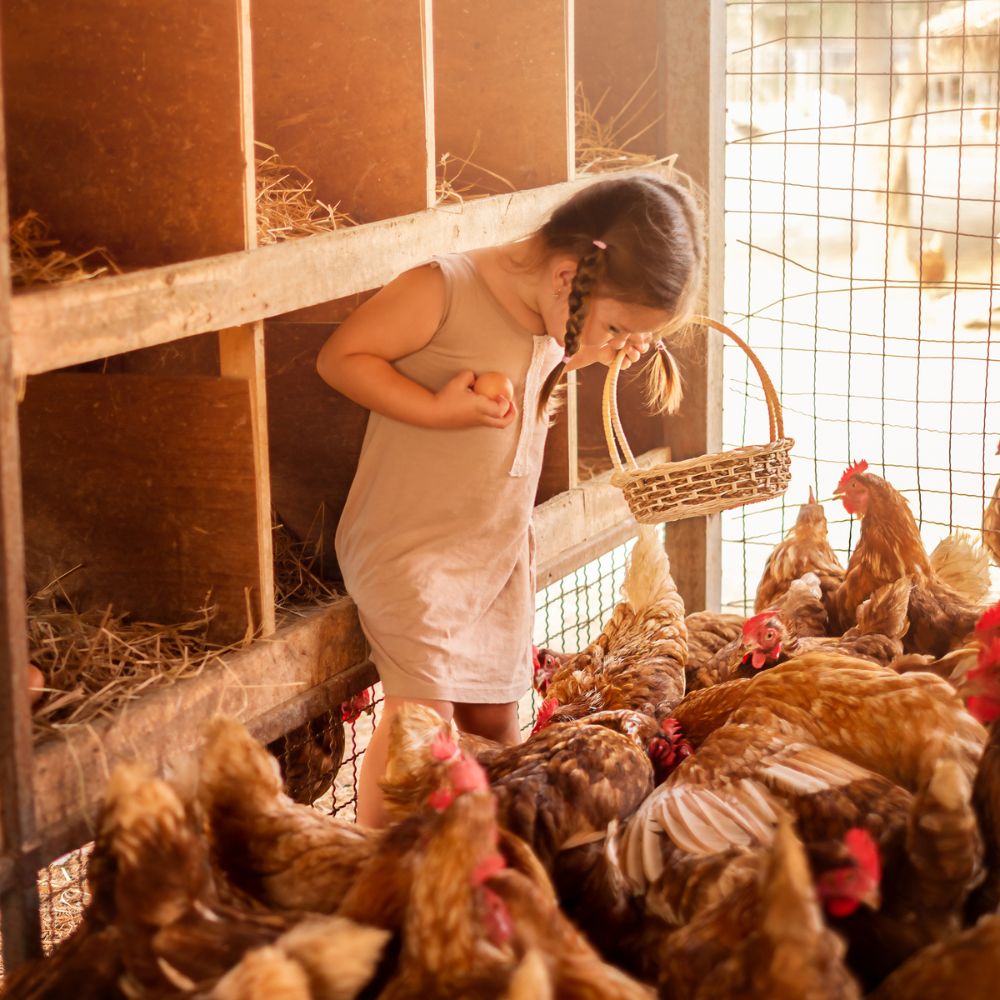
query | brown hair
[649, 251]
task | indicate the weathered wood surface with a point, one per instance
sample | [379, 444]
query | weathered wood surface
[695, 49]
[148, 484]
[619, 62]
[361, 133]
[502, 92]
[18, 896]
[81, 322]
[273, 685]
[124, 125]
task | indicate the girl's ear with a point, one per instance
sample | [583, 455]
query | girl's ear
[563, 273]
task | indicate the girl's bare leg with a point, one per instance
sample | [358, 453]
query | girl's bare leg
[371, 811]
[495, 722]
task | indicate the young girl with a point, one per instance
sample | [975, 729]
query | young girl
[435, 540]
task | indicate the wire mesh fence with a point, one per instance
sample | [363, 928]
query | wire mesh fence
[861, 255]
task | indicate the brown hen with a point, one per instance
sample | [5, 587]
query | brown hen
[765, 939]
[771, 638]
[991, 522]
[805, 549]
[638, 660]
[889, 547]
[286, 855]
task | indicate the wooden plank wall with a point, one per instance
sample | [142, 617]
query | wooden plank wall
[121, 137]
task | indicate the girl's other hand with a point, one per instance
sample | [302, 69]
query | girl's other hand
[635, 344]
[457, 406]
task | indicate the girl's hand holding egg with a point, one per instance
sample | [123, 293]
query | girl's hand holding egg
[462, 403]
[497, 387]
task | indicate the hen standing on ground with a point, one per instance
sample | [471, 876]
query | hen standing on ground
[991, 522]
[889, 547]
[638, 660]
[805, 549]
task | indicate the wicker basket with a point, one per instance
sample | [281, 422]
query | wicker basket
[708, 484]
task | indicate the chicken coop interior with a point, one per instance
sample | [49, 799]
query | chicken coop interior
[196, 196]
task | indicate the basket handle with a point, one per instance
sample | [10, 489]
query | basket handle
[614, 433]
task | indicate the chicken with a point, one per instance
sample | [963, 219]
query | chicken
[563, 785]
[766, 939]
[288, 856]
[310, 756]
[457, 931]
[709, 632]
[966, 965]
[801, 608]
[991, 522]
[889, 547]
[961, 564]
[889, 723]
[638, 660]
[805, 549]
[769, 639]
[983, 686]
[329, 958]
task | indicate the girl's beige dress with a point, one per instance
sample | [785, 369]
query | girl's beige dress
[435, 540]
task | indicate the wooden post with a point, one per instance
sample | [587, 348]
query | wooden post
[694, 127]
[241, 349]
[19, 898]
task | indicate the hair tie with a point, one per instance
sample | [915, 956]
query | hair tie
[600, 244]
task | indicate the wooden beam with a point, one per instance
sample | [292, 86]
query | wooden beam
[18, 896]
[86, 321]
[695, 54]
[577, 526]
[241, 354]
[259, 686]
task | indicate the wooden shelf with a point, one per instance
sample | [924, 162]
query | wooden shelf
[84, 322]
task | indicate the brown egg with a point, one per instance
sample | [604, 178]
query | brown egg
[36, 681]
[494, 385]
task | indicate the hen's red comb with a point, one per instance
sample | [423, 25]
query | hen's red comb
[544, 714]
[443, 747]
[751, 624]
[862, 846]
[852, 470]
[990, 619]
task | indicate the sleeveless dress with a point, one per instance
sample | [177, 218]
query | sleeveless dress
[435, 542]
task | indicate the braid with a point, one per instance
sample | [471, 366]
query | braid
[584, 281]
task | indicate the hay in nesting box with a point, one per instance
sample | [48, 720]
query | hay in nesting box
[604, 145]
[96, 661]
[298, 568]
[449, 190]
[286, 205]
[35, 257]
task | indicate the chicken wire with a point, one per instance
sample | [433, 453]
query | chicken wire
[861, 183]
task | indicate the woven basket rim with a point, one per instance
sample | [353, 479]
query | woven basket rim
[664, 469]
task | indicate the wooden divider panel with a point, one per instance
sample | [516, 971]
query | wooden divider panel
[502, 91]
[620, 63]
[339, 92]
[123, 124]
[147, 483]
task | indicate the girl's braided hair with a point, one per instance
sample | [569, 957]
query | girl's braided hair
[639, 240]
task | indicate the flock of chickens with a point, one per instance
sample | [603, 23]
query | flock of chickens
[805, 804]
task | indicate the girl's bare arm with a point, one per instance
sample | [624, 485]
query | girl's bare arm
[399, 319]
